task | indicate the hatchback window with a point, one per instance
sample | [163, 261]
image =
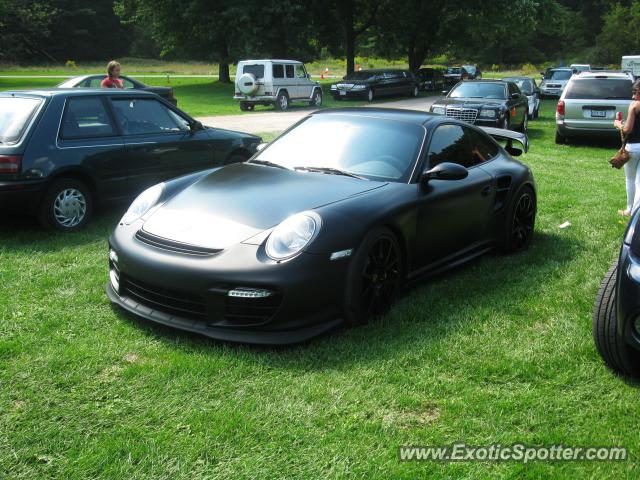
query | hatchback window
[278, 71]
[450, 144]
[289, 69]
[256, 70]
[603, 88]
[86, 117]
[147, 116]
[15, 115]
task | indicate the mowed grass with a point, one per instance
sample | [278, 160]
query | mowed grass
[198, 96]
[497, 351]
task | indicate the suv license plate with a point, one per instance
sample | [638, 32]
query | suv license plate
[598, 113]
[343, 92]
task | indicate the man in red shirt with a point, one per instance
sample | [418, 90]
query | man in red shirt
[113, 76]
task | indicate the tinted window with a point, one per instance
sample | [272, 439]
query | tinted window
[289, 71]
[136, 116]
[86, 117]
[526, 86]
[482, 148]
[278, 71]
[479, 90]
[449, 144]
[393, 75]
[93, 82]
[256, 70]
[604, 88]
[513, 88]
[471, 69]
[362, 75]
[15, 114]
[371, 147]
[558, 75]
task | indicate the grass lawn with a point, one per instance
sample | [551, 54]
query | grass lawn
[497, 351]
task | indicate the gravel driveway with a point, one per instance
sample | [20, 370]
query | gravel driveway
[266, 122]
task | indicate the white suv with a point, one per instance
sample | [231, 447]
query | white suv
[278, 82]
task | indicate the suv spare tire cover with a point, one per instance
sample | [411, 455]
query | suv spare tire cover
[247, 84]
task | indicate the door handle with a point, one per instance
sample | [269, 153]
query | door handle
[486, 190]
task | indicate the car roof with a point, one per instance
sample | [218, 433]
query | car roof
[568, 69]
[397, 114]
[516, 77]
[603, 74]
[77, 92]
[268, 60]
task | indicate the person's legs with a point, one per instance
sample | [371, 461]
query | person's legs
[631, 174]
[636, 182]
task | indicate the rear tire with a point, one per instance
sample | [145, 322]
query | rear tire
[67, 205]
[282, 101]
[245, 106]
[560, 139]
[520, 221]
[616, 353]
[374, 277]
[370, 95]
[525, 123]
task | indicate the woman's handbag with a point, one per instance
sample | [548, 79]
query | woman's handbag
[622, 156]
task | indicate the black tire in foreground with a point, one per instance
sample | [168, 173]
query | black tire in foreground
[374, 277]
[521, 219]
[616, 353]
[67, 205]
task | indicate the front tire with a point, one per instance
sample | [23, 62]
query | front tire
[616, 353]
[374, 277]
[67, 205]
[316, 99]
[520, 221]
[282, 101]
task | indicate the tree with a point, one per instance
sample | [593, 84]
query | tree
[24, 28]
[620, 33]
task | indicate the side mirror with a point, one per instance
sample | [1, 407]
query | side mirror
[309, 76]
[444, 171]
[445, 92]
[196, 126]
[261, 146]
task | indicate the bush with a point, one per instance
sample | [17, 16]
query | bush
[70, 64]
[529, 68]
[495, 68]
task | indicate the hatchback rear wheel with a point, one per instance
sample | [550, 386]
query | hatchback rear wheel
[67, 205]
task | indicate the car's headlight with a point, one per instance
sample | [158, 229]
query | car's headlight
[292, 235]
[334, 87]
[143, 203]
[487, 113]
[439, 109]
[359, 87]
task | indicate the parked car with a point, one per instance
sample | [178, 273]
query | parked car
[371, 84]
[431, 79]
[94, 81]
[554, 80]
[473, 72]
[616, 323]
[453, 75]
[589, 104]
[62, 152]
[275, 82]
[486, 102]
[529, 88]
[580, 67]
[353, 204]
[631, 63]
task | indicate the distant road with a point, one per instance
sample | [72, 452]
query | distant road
[271, 122]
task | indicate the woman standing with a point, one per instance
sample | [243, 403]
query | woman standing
[631, 130]
[112, 80]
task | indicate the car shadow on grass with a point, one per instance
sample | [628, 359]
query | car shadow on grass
[25, 234]
[426, 312]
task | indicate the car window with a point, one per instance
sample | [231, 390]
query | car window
[257, 70]
[558, 75]
[278, 71]
[147, 116]
[289, 69]
[513, 88]
[603, 88]
[15, 115]
[93, 82]
[127, 83]
[300, 71]
[450, 144]
[86, 117]
[393, 75]
[483, 148]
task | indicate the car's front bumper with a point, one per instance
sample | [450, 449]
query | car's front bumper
[307, 290]
[551, 92]
[360, 93]
[628, 296]
[21, 196]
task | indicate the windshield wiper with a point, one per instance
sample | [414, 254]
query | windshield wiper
[328, 170]
[267, 163]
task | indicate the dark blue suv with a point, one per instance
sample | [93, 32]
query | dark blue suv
[63, 152]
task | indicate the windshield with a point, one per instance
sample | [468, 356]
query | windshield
[364, 75]
[15, 113]
[479, 90]
[558, 75]
[523, 84]
[454, 70]
[374, 148]
[603, 88]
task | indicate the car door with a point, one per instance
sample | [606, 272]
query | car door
[88, 138]
[453, 215]
[159, 142]
[303, 84]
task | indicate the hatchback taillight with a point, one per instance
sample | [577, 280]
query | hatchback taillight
[560, 108]
[10, 163]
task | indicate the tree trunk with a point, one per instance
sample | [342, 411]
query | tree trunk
[415, 57]
[223, 73]
[349, 38]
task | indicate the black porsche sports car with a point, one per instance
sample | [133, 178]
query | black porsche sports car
[616, 315]
[322, 226]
